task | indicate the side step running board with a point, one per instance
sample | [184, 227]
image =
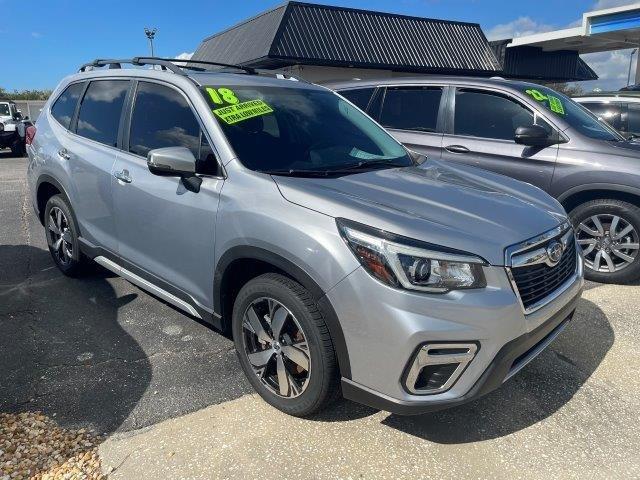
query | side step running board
[146, 285]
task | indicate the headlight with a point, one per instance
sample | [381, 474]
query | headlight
[401, 262]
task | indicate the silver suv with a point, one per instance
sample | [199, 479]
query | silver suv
[277, 211]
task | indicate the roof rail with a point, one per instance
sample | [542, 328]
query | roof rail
[165, 63]
[178, 65]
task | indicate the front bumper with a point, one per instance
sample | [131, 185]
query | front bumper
[383, 328]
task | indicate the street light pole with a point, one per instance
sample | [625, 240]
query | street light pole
[630, 60]
[151, 33]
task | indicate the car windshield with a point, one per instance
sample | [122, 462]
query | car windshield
[286, 130]
[577, 116]
[4, 110]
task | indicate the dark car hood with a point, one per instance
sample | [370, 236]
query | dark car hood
[455, 206]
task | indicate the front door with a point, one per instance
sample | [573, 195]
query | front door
[482, 135]
[165, 231]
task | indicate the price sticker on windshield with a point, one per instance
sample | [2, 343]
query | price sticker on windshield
[242, 111]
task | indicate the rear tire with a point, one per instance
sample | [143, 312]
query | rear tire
[17, 148]
[62, 236]
[608, 231]
[293, 364]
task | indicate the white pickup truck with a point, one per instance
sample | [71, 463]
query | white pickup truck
[12, 128]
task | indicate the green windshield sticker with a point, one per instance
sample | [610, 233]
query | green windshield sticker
[242, 111]
[223, 95]
[555, 104]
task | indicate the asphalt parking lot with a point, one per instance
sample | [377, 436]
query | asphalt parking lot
[99, 353]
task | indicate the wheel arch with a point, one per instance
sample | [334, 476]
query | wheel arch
[240, 264]
[584, 193]
[47, 187]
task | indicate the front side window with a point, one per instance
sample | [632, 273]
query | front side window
[411, 108]
[300, 130]
[162, 118]
[65, 106]
[4, 110]
[577, 116]
[483, 114]
[100, 111]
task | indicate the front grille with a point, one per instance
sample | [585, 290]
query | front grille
[535, 282]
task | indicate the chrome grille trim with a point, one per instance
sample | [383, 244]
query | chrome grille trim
[531, 252]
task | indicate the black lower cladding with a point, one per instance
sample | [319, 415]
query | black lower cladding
[492, 378]
[535, 282]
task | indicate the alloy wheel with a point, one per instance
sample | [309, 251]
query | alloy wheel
[60, 235]
[276, 347]
[609, 242]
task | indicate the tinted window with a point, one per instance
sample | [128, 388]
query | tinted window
[4, 109]
[163, 118]
[100, 111]
[487, 115]
[612, 113]
[65, 106]
[633, 119]
[359, 97]
[411, 108]
[304, 131]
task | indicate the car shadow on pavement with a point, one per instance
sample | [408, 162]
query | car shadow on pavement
[535, 393]
[62, 350]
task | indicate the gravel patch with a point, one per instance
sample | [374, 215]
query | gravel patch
[33, 446]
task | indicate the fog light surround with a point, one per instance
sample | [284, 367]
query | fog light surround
[437, 366]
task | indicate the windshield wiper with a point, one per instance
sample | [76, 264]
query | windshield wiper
[291, 172]
[350, 168]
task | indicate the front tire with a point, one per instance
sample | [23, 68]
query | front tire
[62, 236]
[284, 346]
[608, 231]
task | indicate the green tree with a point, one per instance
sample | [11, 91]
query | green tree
[25, 94]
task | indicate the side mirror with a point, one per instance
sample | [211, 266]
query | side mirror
[533, 136]
[417, 157]
[175, 162]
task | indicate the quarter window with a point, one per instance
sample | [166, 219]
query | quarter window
[411, 108]
[163, 118]
[100, 111]
[359, 97]
[488, 115]
[65, 106]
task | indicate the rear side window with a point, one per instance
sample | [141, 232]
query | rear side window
[411, 108]
[633, 119]
[163, 118]
[100, 111]
[359, 97]
[65, 106]
[488, 115]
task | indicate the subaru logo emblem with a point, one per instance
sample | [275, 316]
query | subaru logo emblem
[554, 253]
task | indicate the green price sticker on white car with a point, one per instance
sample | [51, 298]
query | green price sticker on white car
[242, 111]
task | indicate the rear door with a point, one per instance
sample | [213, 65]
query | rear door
[411, 115]
[481, 133]
[166, 232]
[91, 154]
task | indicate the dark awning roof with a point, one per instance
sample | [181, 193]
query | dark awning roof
[302, 33]
[533, 63]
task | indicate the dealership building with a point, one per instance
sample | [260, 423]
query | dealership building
[324, 43]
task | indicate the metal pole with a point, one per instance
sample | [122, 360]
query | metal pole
[150, 33]
[630, 61]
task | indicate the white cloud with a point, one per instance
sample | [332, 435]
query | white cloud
[519, 27]
[611, 67]
[36, 34]
[184, 56]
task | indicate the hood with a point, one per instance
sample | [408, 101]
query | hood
[454, 206]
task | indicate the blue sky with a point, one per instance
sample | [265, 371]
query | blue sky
[48, 39]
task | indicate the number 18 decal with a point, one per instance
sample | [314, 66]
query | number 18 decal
[222, 96]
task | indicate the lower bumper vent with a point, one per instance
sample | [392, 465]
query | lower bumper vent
[436, 367]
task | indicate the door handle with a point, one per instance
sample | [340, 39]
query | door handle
[64, 154]
[456, 149]
[123, 176]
